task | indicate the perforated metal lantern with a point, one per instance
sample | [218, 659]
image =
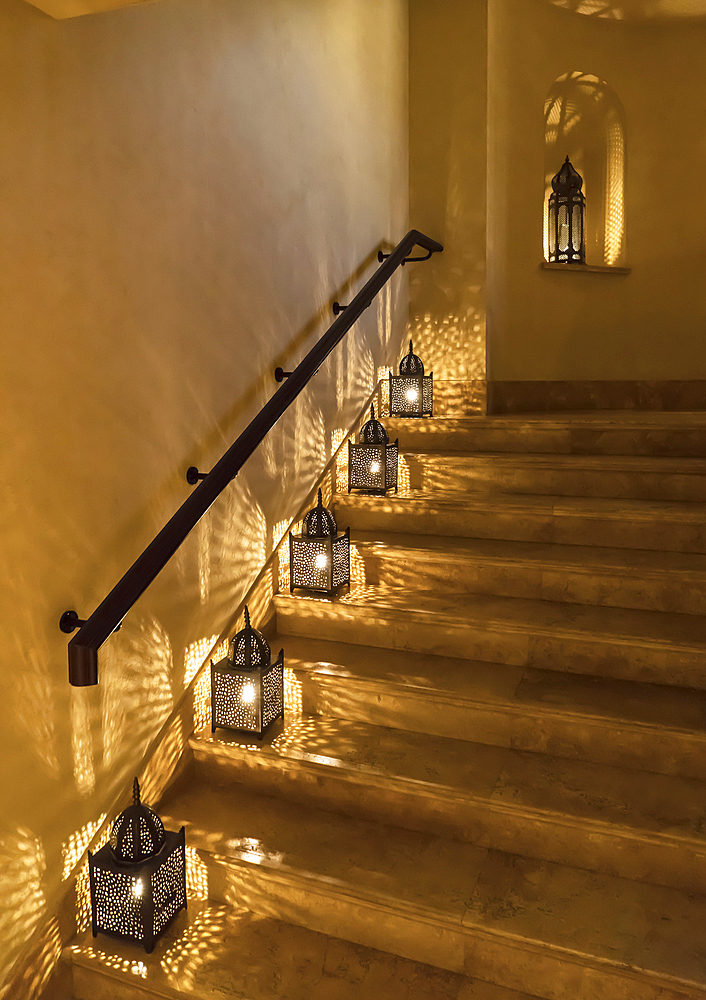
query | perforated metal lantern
[320, 558]
[411, 392]
[247, 689]
[138, 880]
[372, 464]
[567, 210]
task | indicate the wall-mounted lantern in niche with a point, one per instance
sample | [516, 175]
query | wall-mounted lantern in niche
[567, 212]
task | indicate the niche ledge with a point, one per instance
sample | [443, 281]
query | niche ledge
[596, 268]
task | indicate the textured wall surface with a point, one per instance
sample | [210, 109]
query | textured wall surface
[185, 188]
[447, 188]
[644, 326]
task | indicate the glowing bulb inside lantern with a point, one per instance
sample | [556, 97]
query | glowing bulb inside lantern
[321, 561]
[375, 466]
[248, 695]
[412, 395]
[137, 887]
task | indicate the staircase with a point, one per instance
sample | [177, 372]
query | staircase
[491, 783]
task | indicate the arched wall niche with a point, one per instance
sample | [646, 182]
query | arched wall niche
[584, 119]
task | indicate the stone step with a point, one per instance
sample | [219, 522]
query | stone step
[616, 476]
[623, 643]
[603, 818]
[227, 952]
[634, 524]
[604, 433]
[559, 931]
[645, 726]
[623, 578]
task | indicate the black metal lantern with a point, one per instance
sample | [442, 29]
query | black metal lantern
[411, 392]
[320, 558]
[138, 880]
[567, 210]
[372, 464]
[247, 689]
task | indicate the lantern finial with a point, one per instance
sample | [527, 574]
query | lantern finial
[320, 501]
[136, 792]
[372, 412]
[247, 617]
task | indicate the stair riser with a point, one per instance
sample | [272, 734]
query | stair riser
[463, 574]
[453, 399]
[597, 655]
[662, 536]
[536, 440]
[547, 837]
[401, 930]
[576, 737]
[481, 475]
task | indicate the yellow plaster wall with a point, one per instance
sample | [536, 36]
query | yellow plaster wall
[184, 189]
[78, 8]
[648, 325]
[447, 116]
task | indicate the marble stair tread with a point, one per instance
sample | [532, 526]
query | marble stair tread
[580, 558]
[214, 950]
[682, 434]
[644, 524]
[518, 614]
[611, 926]
[618, 476]
[456, 770]
[663, 648]
[649, 706]
[626, 578]
[690, 419]
[659, 464]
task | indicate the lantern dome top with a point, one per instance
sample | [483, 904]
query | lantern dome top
[373, 432]
[319, 522]
[249, 648]
[411, 364]
[138, 832]
[568, 179]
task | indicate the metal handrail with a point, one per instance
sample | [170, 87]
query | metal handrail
[83, 648]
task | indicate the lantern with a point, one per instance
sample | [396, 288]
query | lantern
[567, 208]
[411, 392]
[138, 880]
[372, 464]
[247, 689]
[320, 558]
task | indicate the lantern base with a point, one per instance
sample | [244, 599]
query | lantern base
[372, 493]
[319, 590]
[249, 732]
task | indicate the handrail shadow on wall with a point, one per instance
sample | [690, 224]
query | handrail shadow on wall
[83, 648]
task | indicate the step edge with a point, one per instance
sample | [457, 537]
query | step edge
[514, 708]
[498, 626]
[441, 792]
[536, 563]
[407, 911]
